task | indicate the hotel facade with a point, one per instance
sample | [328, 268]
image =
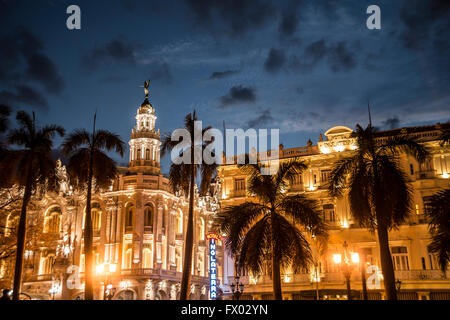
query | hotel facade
[139, 232]
[416, 269]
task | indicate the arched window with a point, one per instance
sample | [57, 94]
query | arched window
[201, 229]
[129, 216]
[179, 222]
[46, 264]
[148, 215]
[52, 220]
[138, 156]
[96, 215]
[12, 223]
[147, 154]
[82, 264]
[147, 257]
[128, 258]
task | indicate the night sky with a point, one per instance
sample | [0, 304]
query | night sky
[301, 66]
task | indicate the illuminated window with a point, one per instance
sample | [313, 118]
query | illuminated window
[325, 175]
[147, 256]
[46, 264]
[201, 229]
[239, 184]
[129, 216]
[297, 180]
[52, 220]
[148, 216]
[328, 212]
[179, 222]
[96, 214]
[82, 263]
[128, 257]
[12, 223]
[178, 259]
[400, 258]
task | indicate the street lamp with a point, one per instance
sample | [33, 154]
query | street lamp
[106, 269]
[398, 284]
[56, 288]
[237, 288]
[347, 261]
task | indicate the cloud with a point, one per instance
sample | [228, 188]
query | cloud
[337, 55]
[391, 123]
[275, 60]
[222, 74]
[340, 58]
[236, 95]
[236, 17]
[419, 19]
[118, 50]
[161, 72]
[288, 24]
[264, 117]
[43, 70]
[23, 95]
[23, 61]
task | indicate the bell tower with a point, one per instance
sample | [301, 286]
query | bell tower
[145, 139]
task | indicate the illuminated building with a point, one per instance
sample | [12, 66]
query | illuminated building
[139, 228]
[415, 266]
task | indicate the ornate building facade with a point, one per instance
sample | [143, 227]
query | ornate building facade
[139, 231]
[416, 268]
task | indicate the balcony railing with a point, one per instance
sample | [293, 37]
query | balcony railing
[419, 275]
[179, 236]
[428, 174]
[338, 277]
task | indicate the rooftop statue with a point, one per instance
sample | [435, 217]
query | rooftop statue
[146, 85]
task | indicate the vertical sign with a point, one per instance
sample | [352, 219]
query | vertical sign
[212, 265]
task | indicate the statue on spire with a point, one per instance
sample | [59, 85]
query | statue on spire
[146, 85]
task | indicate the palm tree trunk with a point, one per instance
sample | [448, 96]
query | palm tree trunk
[21, 236]
[386, 263]
[276, 274]
[89, 267]
[187, 263]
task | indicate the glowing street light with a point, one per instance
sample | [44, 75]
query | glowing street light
[106, 269]
[349, 260]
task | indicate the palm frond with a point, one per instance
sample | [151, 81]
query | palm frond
[439, 226]
[410, 146]
[74, 140]
[304, 211]
[253, 248]
[109, 141]
[234, 221]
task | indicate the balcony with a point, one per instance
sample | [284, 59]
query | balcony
[419, 275]
[179, 236]
[428, 174]
[148, 229]
[238, 193]
[138, 272]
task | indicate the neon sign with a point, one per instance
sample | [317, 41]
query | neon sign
[212, 265]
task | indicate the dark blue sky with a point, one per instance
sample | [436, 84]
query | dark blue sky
[301, 66]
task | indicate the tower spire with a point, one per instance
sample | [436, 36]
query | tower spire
[370, 117]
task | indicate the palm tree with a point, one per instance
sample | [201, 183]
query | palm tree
[5, 111]
[379, 193]
[268, 227]
[439, 224]
[182, 177]
[81, 148]
[29, 167]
